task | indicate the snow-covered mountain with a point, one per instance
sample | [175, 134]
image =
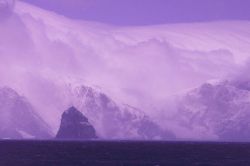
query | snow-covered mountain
[115, 121]
[41, 53]
[18, 119]
[216, 111]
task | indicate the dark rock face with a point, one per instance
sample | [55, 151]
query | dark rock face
[75, 126]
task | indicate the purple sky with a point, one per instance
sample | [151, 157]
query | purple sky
[141, 12]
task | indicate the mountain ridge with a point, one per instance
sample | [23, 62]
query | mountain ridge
[142, 67]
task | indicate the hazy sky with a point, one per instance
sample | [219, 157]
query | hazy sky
[140, 12]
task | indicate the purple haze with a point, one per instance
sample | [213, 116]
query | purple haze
[146, 82]
[142, 12]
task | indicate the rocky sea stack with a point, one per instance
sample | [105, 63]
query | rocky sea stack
[75, 126]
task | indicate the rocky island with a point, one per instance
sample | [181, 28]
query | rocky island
[75, 126]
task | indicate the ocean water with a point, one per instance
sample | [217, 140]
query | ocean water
[123, 153]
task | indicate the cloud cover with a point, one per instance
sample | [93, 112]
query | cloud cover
[148, 12]
[6, 8]
[141, 66]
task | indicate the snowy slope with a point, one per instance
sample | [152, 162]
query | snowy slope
[18, 119]
[114, 121]
[216, 111]
[143, 67]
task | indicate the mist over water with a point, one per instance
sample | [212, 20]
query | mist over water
[41, 54]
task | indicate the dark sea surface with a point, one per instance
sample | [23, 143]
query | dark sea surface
[123, 153]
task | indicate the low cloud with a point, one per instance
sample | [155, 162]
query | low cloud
[41, 51]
